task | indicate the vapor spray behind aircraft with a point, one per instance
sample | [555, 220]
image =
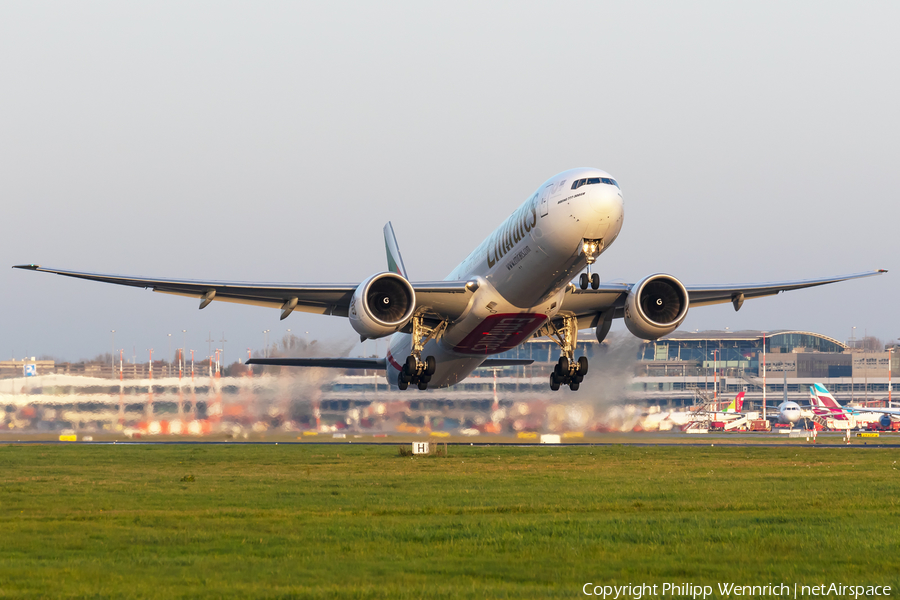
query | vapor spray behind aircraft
[517, 284]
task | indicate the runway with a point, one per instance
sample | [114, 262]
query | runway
[731, 440]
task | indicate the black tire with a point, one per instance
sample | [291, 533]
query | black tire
[562, 367]
[422, 385]
[582, 365]
[583, 281]
[595, 281]
[401, 383]
[574, 386]
[425, 378]
[554, 382]
[411, 367]
[430, 365]
[578, 378]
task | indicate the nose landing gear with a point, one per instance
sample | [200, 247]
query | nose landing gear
[589, 279]
[591, 250]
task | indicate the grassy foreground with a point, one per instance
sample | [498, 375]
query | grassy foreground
[501, 522]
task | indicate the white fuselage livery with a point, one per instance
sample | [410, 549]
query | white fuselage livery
[789, 412]
[522, 270]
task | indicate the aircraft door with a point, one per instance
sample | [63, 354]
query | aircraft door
[545, 200]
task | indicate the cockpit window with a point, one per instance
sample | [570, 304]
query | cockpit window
[592, 180]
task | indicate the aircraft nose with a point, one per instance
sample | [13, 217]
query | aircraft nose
[607, 201]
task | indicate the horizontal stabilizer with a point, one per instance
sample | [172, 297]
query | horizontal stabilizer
[493, 363]
[330, 363]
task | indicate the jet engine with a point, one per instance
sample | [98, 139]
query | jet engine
[381, 305]
[885, 421]
[655, 306]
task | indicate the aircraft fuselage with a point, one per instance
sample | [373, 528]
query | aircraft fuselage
[521, 272]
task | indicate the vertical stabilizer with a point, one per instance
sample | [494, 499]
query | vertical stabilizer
[737, 404]
[394, 260]
[825, 401]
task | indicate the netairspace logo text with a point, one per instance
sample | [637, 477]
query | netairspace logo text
[728, 590]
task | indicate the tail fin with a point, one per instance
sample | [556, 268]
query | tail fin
[394, 260]
[737, 404]
[824, 401]
[813, 399]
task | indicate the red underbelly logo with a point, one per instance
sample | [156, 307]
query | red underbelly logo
[499, 333]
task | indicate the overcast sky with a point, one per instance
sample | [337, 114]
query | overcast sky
[271, 142]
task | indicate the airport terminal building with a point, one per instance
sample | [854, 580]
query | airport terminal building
[677, 371]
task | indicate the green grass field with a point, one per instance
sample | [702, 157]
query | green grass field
[356, 521]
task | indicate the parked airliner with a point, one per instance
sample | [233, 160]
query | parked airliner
[825, 405]
[519, 283]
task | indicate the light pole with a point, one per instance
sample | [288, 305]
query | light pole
[112, 356]
[183, 346]
[890, 364]
[222, 353]
[169, 358]
[266, 350]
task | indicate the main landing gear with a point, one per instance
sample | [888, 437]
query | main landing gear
[568, 371]
[417, 373]
[417, 370]
[564, 374]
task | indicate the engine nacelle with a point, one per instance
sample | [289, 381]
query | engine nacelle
[381, 305]
[885, 421]
[655, 306]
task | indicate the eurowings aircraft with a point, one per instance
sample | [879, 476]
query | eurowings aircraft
[517, 284]
[826, 405]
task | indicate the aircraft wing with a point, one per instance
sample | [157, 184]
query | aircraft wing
[592, 307]
[491, 363]
[881, 411]
[377, 364]
[704, 295]
[441, 299]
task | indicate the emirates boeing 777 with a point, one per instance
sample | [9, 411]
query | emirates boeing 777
[530, 277]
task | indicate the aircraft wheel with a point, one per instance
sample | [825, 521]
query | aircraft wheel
[411, 366]
[562, 367]
[582, 365]
[574, 386]
[423, 385]
[578, 378]
[595, 281]
[554, 382]
[430, 365]
[401, 382]
[583, 281]
[425, 378]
